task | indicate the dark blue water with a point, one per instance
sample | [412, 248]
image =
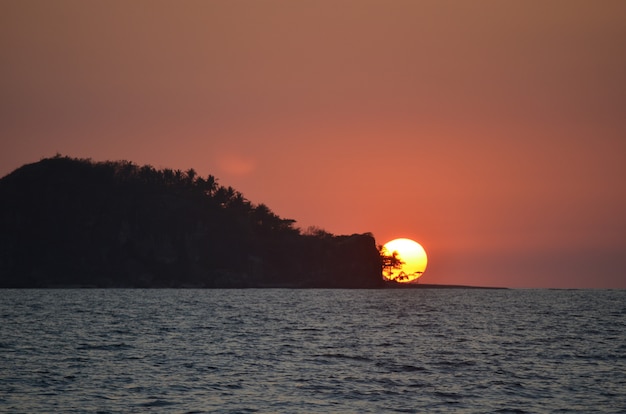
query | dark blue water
[359, 351]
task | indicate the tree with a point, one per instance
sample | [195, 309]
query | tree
[315, 231]
[191, 175]
[390, 262]
[210, 185]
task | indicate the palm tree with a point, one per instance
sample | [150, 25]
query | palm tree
[191, 175]
[210, 185]
[390, 262]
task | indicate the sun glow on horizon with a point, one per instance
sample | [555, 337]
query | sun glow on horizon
[408, 260]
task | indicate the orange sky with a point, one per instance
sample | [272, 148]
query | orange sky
[494, 133]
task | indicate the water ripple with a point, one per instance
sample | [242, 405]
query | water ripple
[196, 351]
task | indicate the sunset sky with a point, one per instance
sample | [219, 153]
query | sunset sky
[492, 132]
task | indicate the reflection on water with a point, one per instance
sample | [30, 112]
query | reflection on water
[312, 350]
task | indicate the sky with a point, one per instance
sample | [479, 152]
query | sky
[491, 132]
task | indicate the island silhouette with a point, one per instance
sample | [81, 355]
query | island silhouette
[69, 222]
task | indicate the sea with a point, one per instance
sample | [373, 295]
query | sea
[312, 351]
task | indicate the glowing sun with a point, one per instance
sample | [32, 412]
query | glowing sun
[404, 260]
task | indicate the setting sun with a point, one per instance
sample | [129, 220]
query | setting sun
[406, 260]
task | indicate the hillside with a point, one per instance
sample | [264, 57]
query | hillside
[74, 222]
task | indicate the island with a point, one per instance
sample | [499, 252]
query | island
[68, 222]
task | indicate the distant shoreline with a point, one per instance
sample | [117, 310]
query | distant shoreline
[387, 285]
[395, 285]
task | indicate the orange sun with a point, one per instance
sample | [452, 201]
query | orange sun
[404, 260]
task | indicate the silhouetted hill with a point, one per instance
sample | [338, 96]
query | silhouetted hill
[72, 222]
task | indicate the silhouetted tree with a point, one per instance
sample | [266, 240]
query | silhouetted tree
[191, 175]
[391, 262]
[315, 231]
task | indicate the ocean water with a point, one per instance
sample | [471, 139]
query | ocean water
[281, 350]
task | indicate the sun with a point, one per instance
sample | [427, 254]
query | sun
[404, 260]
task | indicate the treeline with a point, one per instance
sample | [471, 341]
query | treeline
[74, 222]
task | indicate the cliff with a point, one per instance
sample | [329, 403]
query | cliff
[71, 222]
